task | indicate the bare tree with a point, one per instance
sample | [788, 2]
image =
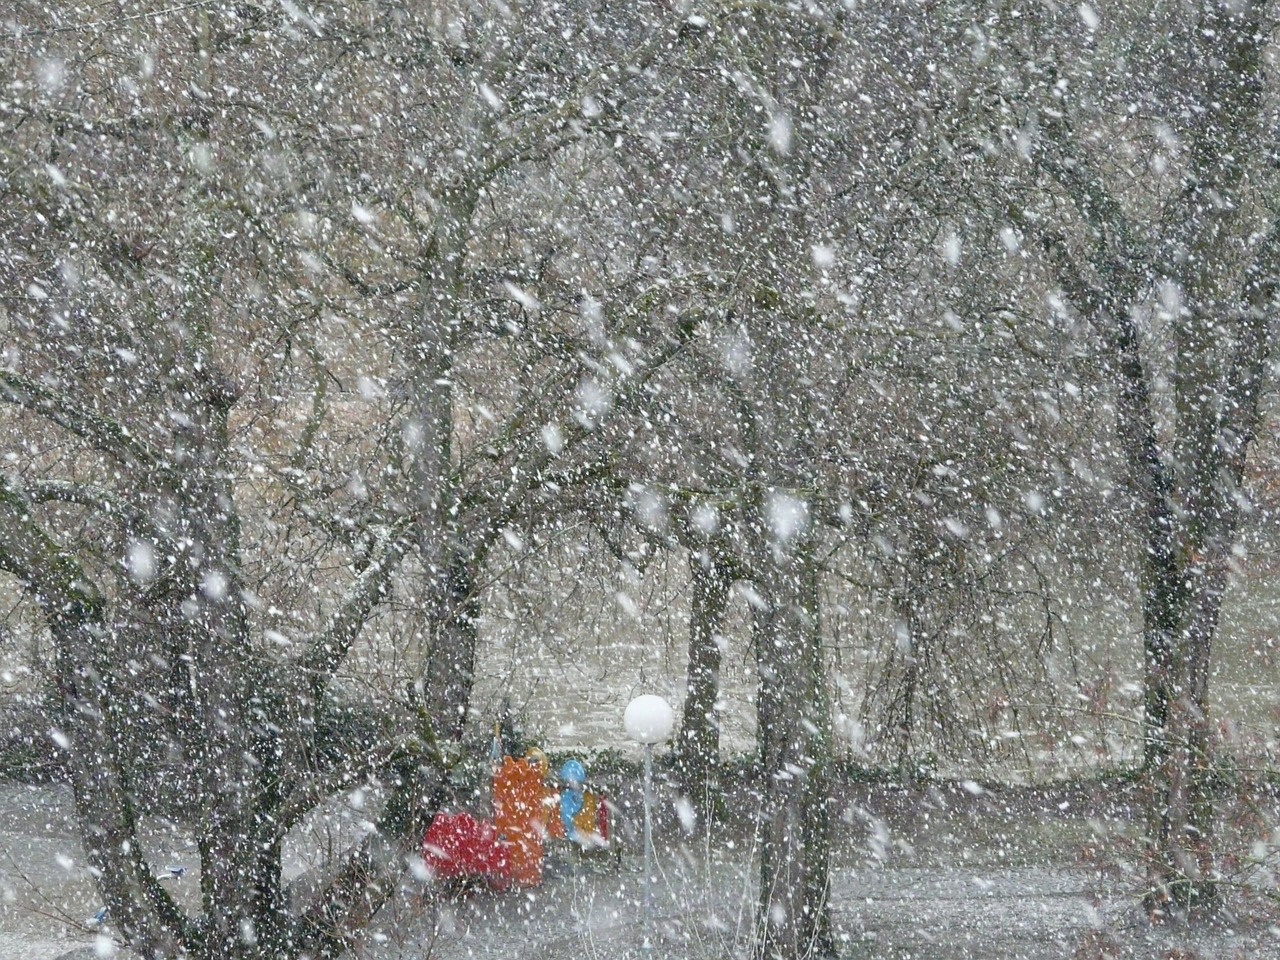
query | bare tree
[279, 358]
[1144, 198]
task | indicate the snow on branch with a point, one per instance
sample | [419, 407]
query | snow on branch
[97, 498]
[102, 433]
[30, 554]
[327, 649]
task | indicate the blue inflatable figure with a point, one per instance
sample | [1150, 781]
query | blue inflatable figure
[572, 797]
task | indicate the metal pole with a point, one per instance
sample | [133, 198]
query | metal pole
[648, 844]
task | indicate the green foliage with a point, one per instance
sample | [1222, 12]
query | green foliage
[600, 762]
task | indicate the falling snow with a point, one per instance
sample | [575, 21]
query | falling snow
[395, 395]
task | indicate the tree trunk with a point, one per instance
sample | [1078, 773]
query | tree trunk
[1177, 749]
[698, 745]
[230, 709]
[448, 675]
[1181, 861]
[1181, 614]
[1222, 335]
[793, 728]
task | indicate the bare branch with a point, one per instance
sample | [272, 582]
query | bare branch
[104, 434]
[326, 651]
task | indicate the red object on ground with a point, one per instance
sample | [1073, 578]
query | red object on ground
[459, 845]
[602, 823]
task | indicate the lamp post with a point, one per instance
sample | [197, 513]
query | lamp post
[648, 720]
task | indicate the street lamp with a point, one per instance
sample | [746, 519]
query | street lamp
[648, 720]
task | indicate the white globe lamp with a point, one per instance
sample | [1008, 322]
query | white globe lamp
[649, 719]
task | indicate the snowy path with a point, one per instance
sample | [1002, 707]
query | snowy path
[890, 913]
[1023, 912]
[27, 948]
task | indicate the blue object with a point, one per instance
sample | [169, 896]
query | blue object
[571, 800]
[574, 775]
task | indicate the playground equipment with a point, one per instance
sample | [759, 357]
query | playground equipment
[510, 849]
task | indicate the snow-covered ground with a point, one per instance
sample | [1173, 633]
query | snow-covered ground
[45, 894]
[47, 899]
[929, 878]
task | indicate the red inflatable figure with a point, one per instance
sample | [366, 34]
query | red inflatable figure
[458, 846]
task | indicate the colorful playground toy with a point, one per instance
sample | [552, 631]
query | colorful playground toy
[509, 850]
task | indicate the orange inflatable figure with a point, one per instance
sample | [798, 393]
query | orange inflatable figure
[522, 806]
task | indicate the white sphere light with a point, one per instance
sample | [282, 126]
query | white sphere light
[649, 719]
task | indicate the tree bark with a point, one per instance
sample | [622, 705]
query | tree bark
[793, 729]
[698, 745]
[1187, 562]
[83, 674]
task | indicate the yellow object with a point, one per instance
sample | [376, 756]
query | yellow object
[537, 757]
[587, 820]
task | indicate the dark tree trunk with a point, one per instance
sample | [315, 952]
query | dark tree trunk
[1181, 848]
[698, 744]
[1218, 247]
[793, 724]
[1191, 508]
[449, 667]
[95, 739]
